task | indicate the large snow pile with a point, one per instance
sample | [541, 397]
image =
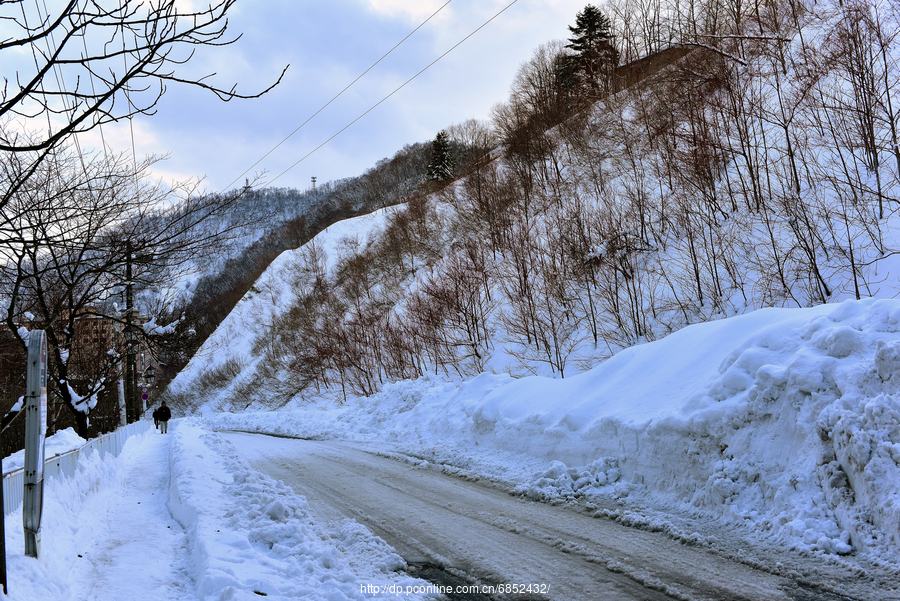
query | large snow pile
[785, 419]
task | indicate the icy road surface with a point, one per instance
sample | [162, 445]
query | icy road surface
[482, 533]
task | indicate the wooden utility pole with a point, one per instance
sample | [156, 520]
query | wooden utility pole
[130, 341]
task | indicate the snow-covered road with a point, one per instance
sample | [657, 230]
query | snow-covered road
[481, 532]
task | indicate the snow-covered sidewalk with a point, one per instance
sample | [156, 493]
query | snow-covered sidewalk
[133, 548]
[85, 518]
[181, 516]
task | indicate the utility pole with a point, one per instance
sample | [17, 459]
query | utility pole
[130, 341]
[133, 408]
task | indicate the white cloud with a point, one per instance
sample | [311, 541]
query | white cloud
[186, 6]
[411, 9]
[118, 138]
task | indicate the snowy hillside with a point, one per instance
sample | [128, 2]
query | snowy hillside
[230, 351]
[766, 180]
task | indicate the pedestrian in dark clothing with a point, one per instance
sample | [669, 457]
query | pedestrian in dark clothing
[163, 415]
[156, 418]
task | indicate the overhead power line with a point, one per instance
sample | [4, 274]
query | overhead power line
[386, 54]
[403, 85]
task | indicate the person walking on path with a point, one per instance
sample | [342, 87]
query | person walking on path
[163, 414]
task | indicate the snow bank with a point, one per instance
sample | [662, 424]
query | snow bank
[57, 444]
[786, 419]
[251, 535]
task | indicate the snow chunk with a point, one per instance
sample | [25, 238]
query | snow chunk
[152, 329]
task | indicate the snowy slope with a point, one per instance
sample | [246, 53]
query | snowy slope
[782, 419]
[230, 346]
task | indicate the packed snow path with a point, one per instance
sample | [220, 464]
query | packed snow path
[486, 534]
[135, 549]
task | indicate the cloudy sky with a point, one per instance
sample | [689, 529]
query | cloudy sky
[328, 43]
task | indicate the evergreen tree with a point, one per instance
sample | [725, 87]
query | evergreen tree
[595, 58]
[440, 168]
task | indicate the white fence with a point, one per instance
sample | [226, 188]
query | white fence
[67, 463]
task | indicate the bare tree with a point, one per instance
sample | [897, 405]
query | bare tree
[459, 294]
[112, 60]
[72, 236]
[72, 224]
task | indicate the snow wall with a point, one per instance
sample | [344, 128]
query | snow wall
[786, 418]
